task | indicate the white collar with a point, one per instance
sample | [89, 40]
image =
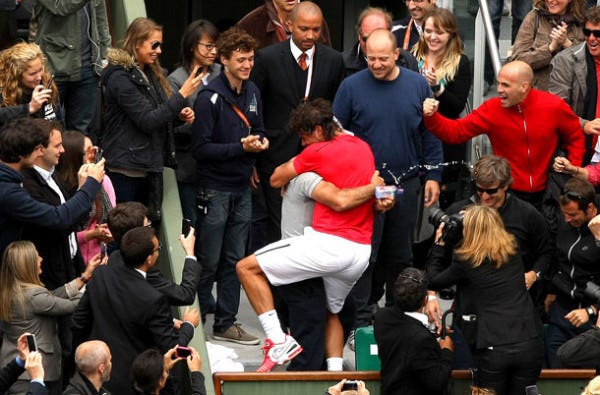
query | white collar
[143, 273]
[422, 318]
[296, 52]
[46, 174]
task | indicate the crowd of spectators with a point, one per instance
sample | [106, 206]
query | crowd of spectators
[266, 106]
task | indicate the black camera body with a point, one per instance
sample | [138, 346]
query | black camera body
[452, 233]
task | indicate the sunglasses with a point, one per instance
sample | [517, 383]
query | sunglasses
[155, 45]
[489, 191]
[588, 32]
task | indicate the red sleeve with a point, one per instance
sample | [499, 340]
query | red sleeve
[593, 174]
[572, 138]
[456, 131]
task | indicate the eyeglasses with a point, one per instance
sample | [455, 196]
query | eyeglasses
[209, 47]
[489, 191]
[155, 45]
[414, 1]
[411, 278]
[157, 248]
[588, 32]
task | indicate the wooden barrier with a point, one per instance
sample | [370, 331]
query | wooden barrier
[551, 382]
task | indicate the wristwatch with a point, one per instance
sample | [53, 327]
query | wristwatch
[590, 311]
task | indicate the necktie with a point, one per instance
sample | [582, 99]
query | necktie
[302, 61]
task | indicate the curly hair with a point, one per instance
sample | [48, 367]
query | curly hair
[14, 61]
[235, 39]
[139, 31]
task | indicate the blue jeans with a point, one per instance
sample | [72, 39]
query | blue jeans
[221, 240]
[559, 331]
[80, 100]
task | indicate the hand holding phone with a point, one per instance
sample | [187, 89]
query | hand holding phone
[350, 385]
[183, 352]
[49, 83]
[186, 225]
[31, 343]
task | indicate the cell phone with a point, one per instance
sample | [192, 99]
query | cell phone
[531, 390]
[183, 352]
[31, 343]
[186, 224]
[350, 385]
[102, 250]
[49, 83]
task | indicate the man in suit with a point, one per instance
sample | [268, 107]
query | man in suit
[122, 309]
[285, 81]
[412, 361]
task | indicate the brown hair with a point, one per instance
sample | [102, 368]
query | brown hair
[574, 7]
[235, 39]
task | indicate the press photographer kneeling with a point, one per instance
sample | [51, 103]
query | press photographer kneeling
[492, 307]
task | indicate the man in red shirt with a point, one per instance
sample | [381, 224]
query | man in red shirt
[524, 125]
[337, 246]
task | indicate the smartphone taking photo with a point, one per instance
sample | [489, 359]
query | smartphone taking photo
[183, 352]
[186, 224]
[31, 343]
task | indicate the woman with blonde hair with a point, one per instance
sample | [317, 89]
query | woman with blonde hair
[26, 306]
[550, 27]
[26, 88]
[493, 309]
[140, 108]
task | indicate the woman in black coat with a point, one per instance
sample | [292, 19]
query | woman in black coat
[493, 308]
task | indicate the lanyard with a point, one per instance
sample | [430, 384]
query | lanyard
[242, 116]
[407, 34]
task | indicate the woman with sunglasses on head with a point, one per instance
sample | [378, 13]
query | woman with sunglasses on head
[550, 27]
[139, 110]
[198, 49]
[495, 312]
[93, 233]
[26, 88]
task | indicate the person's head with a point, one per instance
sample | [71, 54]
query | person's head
[305, 24]
[94, 360]
[52, 152]
[148, 372]
[313, 121]
[410, 289]
[491, 178]
[578, 202]
[372, 18]
[77, 147]
[22, 67]
[237, 53]
[22, 140]
[591, 31]
[562, 7]
[285, 6]
[441, 38]
[382, 54]
[143, 40]
[126, 216]
[21, 264]
[198, 44]
[139, 247]
[419, 8]
[593, 387]
[515, 80]
[485, 238]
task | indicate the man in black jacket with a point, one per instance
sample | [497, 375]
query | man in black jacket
[94, 365]
[412, 361]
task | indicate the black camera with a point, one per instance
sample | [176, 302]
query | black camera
[592, 291]
[452, 233]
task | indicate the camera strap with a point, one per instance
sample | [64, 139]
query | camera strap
[242, 116]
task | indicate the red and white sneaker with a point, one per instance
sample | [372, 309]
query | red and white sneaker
[279, 353]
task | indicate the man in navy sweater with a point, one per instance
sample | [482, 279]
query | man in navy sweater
[381, 105]
[22, 141]
[225, 141]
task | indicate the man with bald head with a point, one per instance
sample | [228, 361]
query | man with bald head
[372, 18]
[288, 73]
[94, 364]
[524, 125]
[382, 105]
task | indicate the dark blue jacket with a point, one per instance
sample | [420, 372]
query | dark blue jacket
[216, 134]
[17, 207]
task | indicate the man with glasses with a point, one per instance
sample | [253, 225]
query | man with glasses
[574, 77]
[371, 18]
[409, 29]
[524, 125]
[570, 310]
[121, 308]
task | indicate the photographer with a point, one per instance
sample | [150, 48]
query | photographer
[413, 362]
[495, 312]
[570, 310]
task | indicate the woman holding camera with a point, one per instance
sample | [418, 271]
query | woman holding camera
[26, 306]
[493, 309]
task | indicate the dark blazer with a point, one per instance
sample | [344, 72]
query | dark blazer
[122, 309]
[58, 267]
[497, 296]
[412, 361]
[273, 73]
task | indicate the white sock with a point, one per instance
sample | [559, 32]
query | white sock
[335, 364]
[271, 326]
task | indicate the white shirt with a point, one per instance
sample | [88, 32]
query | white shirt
[296, 52]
